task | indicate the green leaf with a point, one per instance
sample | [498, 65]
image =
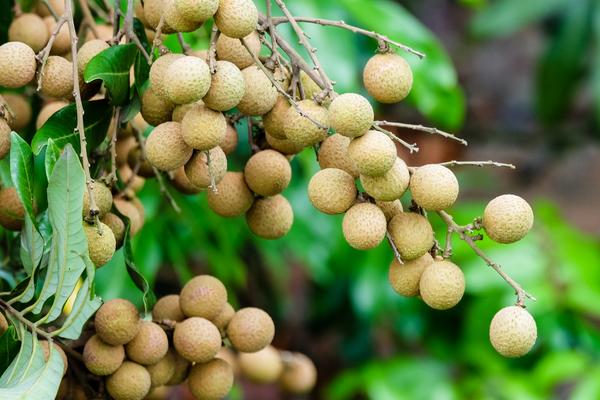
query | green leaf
[112, 67]
[52, 156]
[141, 69]
[9, 347]
[61, 126]
[84, 307]
[148, 296]
[21, 169]
[32, 246]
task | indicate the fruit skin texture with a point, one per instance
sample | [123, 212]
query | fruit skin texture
[442, 285]
[149, 345]
[188, 80]
[507, 218]
[274, 120]
[259, 93]
[58, 78]
[100, 358]
[155, 109]
[390, 208]
[180, 374]
[212, 380]
[130, 211]
[176, 20]
[227, 87]
[3, 324]
[162, 371]
[513, 331]
[203, 128]
[302, 130]
[373, 153]
[236, 18]
[103, 197]
[233, 196]
[250, 330]
[20, 106]
[182, 183]
[117, 322]
[222, 320]
[29, 29]
[197, 169]
[17, 65]
[284, 146]
[333, 153]
[434, 187]
[405, 278]
[165, 147]
[89, 50]
[389, 186]
[268, 173]
[230, 142]
[116, 225]
[197, 339]
[364, 226]
[130, 382]
[101, 243]
[167, 307]
[299, 375]
[12, 212]
[270, 217]
[62, 43]
[197, 10]
[351, 115]
[332, 191]
[4, 138]
[388, 78]
[158, 72]
[264, 366]
[232, 49]
[412, 234]
[203, 296]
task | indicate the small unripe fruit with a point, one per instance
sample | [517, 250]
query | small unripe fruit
[197, 339]
[29, 29]
[177, 20]
[167, 308]
[332, 191]
[89, 50]
[270, 217]
[199, 172]
[227, 87]
[158, 73]
[232, 49]
[390, 208]
[47, 111]
[389, 186]
[284, 146]
[412, 234]
[373, 153]
[513, 331]
[388, 78]
[303, 131]
[12, 212]
[100, 358]
[101, 243]
[62, 42]
[333, 153]
[45, 345]
[405, 278]
[165, 147]
[162, 371]
[211, 380]
[4, 138]
[154, 108]
[197, 10]
[149, 345]
[264, 366]
[230, 142]
[507, 218]
[274, 120]
[299, 374]
[188, 80]
[236, 18]
[203, 128]
[434, 187]
[364, 226]
[232, 198]
[103, 198]
[203, 296]
[351, 115]
[117, 322]
[130, 382]
[250, 330]
[442, 285]
[259, 93]
[57, 80]
[116, 225]
[21, 109]
[17, 64]
[268, 173]
[222, 320]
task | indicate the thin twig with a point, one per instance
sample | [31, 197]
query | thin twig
[412, 148]
[211, 174]
[491, 163]
[185, 48]
[130, 33]
[112, 177]
[42, 56]
[394, 248]
[433, 131]
[88, 18]
[19, 315]
[157, 42]
[271, 27]
[211, 56]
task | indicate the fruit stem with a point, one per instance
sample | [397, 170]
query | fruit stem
[88, 18]
[433, 131]
[19, 316]
[412, 148]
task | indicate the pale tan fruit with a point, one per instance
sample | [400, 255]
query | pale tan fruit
[197, 339]
[264, 366]
[233, 197]
[204, 296]
[299, 375]
[138, 9]
[182, 183]
[21, 109]
[274, 120]
[135, 182]
[197, 10]
[57, 80]
[270, 217]
[250, 330]
[45, 345]
[351, 115]
[203, 128]
[62, 43]
[333, 153]
[165, 147]
[58, 6]
[89, 50]
[390, 208]
[188, 80]
[388, 78]
[268, 173]
[301, 130]
[236, 18]
[137, 161]
[29, 29]
[332, 191]
[232, 49]
[130, 382]
[100, 358]
[17, 64]
[158, 72]
[124, 147]
[507, 218]
[211, 380]
[4, 138]
[442, 285]
[47, 111]
[222, 320]
[412, 234]
[364, 226]
[162, 371]
[101, 243]
[284, 146]
[155, 109]
[226, 354]
[177, 20]
[153, 10]
[167, 308]
[434, 187]
[103, 198]
[149, 345]
[116, 225]
[158, 393]
[104, 31]
[405, 278]
[180, 110]
[3, 324]
[513, 331]
[182, 367]
[12, 212]
[389, 186]
[259, 93]
[130, 211]
[311, 88]
[230, 142]
[117, 321]
[227, 87]
[373, 153]
[199, 171]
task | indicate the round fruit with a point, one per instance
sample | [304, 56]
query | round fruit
[103, 198]
[284, 146]
[373, 153]
[250, 330]
[211, 380]
[180, 110]
[149, 345]
[47, 111]
[390, 208]
[188, 80]
[270, 217]
[204, 296]
[20, 108]
[3, 324]
[197, 10]
[17, 65]
[180, 374]
[182, 183]
[264, 366]
[57, 5]
[222, 320]
[162, 371]
[177, 20]
[301, 130]
[230, 142]
[153, 11]
[405, 278]
[62, 42]
[165, 147]
[311, 88]
[29, 29]
[442, 285]
[199, 171]
[57, 77]
[268, 173]
[12, 212]
[101, 243]
[299, 374]
[364, 226]
[89, 50]
[130, 382]
[389, 186]
[158, 73]
[4, 138]
[227, 87]
[137, 162]
[167, 308]
[412, 234]
[197, 339]
[130, 211]
[233, 197]
[507, 218]
[332, 191]
[513, 331]
[274, 120]
[259, 93]
[117, 321]
[45, 345]
[333, 153]
[116, 225]
[388, 78]
[203, 128]
[351, 115]
[434, 187]
[232, 49]
[236, 18]
[100, 358]
[154, 108]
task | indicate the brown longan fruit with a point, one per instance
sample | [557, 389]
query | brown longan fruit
[260, 95]
[211, 380]
[165, 147]
[412, 234]
[62, 42]
[264, 366]
[284, 146]
[100, 358]
[181, 109]
[405, 278]
[12, 212]
[188, 80]
[130, 382]
[47, 111]
[155, 108]
[250, 330]
[3, 324]
[196, 339]
[203, 128]
[299, 374]
[117, 322]
[222, 320]
[333, 153]
[268, 173]
[182, 183]
[149, 345]
[57, 5]
[513, 331]
[199, 172]
[303, 131]
[230, 142]
[351, 115]
[236, 18]
[332, 191]
[232, 198]
[227, 87]
[203, 296]
[29, 29]
[364, 226]
[153, 10]
[390, 208]
[373, 153]
[57, 77]
[442, 285]
[21, 109]
[388, 78]
[4, 138]
[389, 186]
[162, 371]
[167, 308]
[89, 50]
[311, 88]
[434, 187]
[182, 367]
[116, 225]
[507, 218]
[197, 10]
[103, 198]
[101, 243]
[126, 208]
[177, 20]
[274, 120]
[17, 65]
[270, 217]
[158, 73]
[232, 49]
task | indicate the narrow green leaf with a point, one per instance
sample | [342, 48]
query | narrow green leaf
[141, 69]
[148, 296]
[52, 156]
[29, 358]
[84, 307]
[9, 347]
[32, 246]
[21, 170]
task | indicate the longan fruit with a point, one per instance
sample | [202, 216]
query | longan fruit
[203, 128]
[149, 345]
[250, 330]
[103, 198]
[364, 226]
[116, 225]
[513, 331]
[412, 235]
[260, 95]
[203, 296]
[227, 87]
[197, 10]
[284, 146]
[180, 374]
[57, 77]
[196, 339]
[117, 321]
[3, 324]
[167, 308]
[17, 65]
[232, 198]
[158, 72]
[62, 42]
[268, 173]
[162, 371]
[199, 172]
[153, 10]
[264, 366]
[270, 217]
[100, 358]
[4, 139]
[89, 50]
[388, 78]
[188, 80]
[390, 208]
[211, 380]
[181, 109]
[274, 120]
[165, 147]
[29, 29]
[434, 187]
[20, 108]
[182, 183]
[232, 49]
[236, 18]
[101, 243]
[507, 218]
[126, 208]
[48, 111]
[130, 382]
[333, 153]
[176, 19]
[155, 109]
[332, 191]
[389, 186]
[442, 285]
[301, 130]
[311, 88]
[373, 153]
[12, 211]
[299, 374]
[351, 115]
[405, 278]
[57, 5]
[222, 320]
[230, 142]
